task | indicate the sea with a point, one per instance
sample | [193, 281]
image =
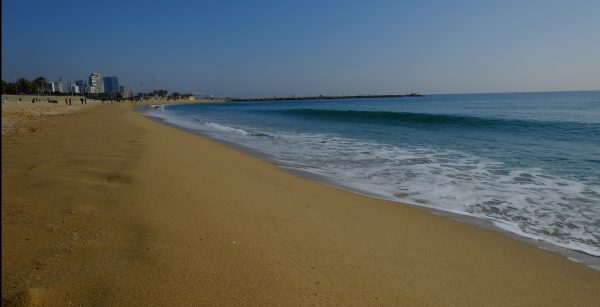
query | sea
[528, 163]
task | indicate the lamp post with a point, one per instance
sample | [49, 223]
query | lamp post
[142, 95]
[154, 86]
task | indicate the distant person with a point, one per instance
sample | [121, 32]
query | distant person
[19, 99]
[69, 101]
[32, 100]
[81, 100]
[66, 100]
[85, 100]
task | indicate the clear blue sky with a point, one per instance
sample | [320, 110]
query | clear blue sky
[266, 48]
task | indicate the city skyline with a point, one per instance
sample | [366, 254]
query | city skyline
[62, 85]
[334, 48]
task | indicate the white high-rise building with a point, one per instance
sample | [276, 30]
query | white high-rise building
[73, 88]
[96, 83]
[56, 87]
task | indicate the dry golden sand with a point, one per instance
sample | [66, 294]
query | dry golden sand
[17, 115]
[107, 207]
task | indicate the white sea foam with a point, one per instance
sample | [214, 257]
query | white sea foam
[224, 128]
[527, 201]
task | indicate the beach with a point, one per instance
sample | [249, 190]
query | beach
[18, 114]
[105, 206]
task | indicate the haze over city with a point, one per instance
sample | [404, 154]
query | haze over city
[274, 48]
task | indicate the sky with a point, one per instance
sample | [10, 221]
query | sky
[280, 48]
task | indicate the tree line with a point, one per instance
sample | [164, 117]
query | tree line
[23, 86]
[39, 85]
[165, 94]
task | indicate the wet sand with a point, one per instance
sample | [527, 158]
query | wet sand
[107, 207]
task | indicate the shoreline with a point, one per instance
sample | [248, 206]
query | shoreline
[574, 255]
[134, 212]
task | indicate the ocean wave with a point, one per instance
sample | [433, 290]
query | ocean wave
[430, 119]
[225, 128]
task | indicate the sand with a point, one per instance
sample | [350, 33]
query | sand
[17, 115]
[107, 207]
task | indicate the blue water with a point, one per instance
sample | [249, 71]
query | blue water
[528, 162]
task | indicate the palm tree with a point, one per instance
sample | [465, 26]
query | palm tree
[40, 84]
[24, 86]
[4, 87]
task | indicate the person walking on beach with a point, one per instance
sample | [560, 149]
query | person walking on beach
[81, 100]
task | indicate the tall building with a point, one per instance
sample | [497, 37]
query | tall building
[56, 86]
[73, 88]
[111, 85]
[96, 83]
[83, 87]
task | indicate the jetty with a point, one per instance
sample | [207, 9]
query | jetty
[320, 97]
